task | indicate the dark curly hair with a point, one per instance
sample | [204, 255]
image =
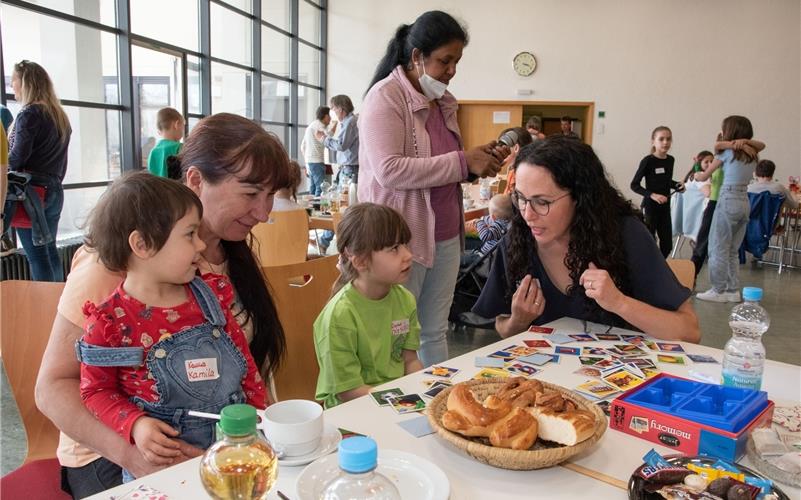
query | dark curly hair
[596, 229]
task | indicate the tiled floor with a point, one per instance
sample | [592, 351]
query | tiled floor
[783, 341]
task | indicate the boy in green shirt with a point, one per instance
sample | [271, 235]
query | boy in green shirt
[170, 124]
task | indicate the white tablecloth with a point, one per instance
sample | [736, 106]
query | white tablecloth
[616, 455]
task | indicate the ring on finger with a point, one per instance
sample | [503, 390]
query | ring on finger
[536, 303]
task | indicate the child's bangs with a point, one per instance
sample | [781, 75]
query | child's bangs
[386, 230]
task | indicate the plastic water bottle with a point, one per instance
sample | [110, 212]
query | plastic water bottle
[352, 196]
[744, 354]
[485, 188]
[357, 479]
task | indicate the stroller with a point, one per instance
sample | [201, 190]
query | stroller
[470, 281]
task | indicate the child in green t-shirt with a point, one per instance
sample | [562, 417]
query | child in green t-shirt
[368, 333]
[171, 128]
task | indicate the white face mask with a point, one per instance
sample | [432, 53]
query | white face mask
[432, 88]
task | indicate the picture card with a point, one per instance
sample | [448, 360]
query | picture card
[597, 389]
[642, 363]
[608, 336]
[536, 359]
[503, 355]
[634, 369]
[582, 337]
[589, 360]
[434, 390]
[488, 362]
[669, 347]
[573, 351]
[417, 426]
[554, 357]
[537, 344]
[345, 433]
[588, 371]
[491, 373]
[408, 403]
[545, 330]
[669, 358]
[623, 379]
[650, 372]
[441, 371]
[560, 338]
[629, 338]
[382, 397]
[702, 358]
[522, 369]
[607, 364]
[628, 349]
[142, 492]
[520, 350]
[650, 345]
[594, 351]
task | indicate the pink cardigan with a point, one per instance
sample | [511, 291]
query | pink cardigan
[395, 163]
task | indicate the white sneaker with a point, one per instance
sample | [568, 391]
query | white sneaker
[733, 296]
[712, 296]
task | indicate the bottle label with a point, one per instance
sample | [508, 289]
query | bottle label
[742, 380]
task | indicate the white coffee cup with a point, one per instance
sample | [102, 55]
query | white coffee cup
[294, 427]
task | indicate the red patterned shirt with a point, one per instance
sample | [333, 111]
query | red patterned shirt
[123, 321]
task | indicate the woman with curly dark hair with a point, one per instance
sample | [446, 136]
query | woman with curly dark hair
[577, 248]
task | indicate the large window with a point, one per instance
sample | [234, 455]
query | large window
[115, 63]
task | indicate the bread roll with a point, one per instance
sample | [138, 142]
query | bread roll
[567, 428]
[517, 430]
[461, 400]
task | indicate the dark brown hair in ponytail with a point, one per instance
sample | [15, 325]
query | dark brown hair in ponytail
[366, 228]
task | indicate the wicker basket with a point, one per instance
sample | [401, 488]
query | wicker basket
[542, 454]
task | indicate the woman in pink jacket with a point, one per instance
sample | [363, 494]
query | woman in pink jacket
[411, 159]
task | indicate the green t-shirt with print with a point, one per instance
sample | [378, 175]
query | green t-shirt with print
[360, 341]
[157, 161]
[715, 182]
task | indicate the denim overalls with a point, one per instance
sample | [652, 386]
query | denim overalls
[172, 360]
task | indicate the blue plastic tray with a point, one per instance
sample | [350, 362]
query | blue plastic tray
[721, 407]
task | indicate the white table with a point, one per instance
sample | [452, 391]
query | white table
[615, 456]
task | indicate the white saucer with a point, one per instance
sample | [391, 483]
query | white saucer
[328, 443]
[414, 477]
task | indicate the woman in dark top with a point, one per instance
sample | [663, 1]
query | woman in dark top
[38, 142]
[576, 248]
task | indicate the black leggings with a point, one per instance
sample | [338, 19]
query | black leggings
[657, 219]
[702, 242]
[94, 477]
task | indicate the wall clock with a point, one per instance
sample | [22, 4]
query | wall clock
[524, 63]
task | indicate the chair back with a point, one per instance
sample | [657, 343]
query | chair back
[284, 239]
[300, 292]
[684, 269]
[28, 311]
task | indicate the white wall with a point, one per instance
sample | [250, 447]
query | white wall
[682, 63]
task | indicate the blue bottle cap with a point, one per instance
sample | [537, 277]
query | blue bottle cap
[752, 293]
[358, 454]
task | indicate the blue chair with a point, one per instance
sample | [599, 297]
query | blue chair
[765, 208]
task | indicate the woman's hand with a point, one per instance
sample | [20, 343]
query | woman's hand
[599, 286]
[659, 198]
[320, 135]
[154, 439]
[528, 302]
[484, 161]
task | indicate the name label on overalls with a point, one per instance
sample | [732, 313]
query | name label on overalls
[201, 369]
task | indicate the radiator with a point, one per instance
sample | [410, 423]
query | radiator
[15, 266]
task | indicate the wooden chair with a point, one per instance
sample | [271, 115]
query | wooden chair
[684, 269]
[299, 302]
[284, 239]
[28, 311]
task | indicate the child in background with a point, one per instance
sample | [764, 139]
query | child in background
[702, 162]
[523, 138]
[657, 168]
[368, 333]
[170, 124]
[286, 199]
[490, 228]
[764, 182]
[165, 341]
[737, 154]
